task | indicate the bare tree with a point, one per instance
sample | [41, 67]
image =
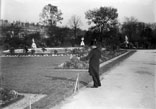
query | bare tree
[75, 23]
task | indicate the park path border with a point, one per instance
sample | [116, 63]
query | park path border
[113, 59]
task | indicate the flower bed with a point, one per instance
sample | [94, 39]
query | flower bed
[76, 63]
[8, 97]
[73, 63]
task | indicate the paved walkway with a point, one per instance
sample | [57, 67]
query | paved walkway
[130, 85]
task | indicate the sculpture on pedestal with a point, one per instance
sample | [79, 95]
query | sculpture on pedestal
[126, 41]
[33, 46]
[82, 42]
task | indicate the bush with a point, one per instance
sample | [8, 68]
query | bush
[73, 63]
[7, 95]
[76, 63]
[55, 51]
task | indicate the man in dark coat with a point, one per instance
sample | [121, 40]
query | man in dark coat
[94, 62]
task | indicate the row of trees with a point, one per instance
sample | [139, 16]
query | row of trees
[105, 28]
[139, 33]
[52, 36]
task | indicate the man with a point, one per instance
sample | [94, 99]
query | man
[94, 62]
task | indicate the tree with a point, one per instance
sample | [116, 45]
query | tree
[153, 41]
[136, 31]
[129, 28]
[75, 23]
[10, 36]
[50, 15]
[147, 36]
[104, 19]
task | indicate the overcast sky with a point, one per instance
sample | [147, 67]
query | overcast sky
[29, 10]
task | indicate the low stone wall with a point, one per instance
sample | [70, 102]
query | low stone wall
[42, 51]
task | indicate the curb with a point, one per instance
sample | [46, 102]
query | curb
[113, 59]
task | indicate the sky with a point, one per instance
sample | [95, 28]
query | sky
[29, 10]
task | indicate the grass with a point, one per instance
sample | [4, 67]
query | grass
[37, 75]
[28, 74]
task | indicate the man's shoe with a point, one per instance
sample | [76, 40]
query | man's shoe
[94, 87]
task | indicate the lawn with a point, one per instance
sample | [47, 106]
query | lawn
[37, 75]
[30, 74]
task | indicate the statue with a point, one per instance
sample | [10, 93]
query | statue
[82, 42]
[33, 44]
[126, 41]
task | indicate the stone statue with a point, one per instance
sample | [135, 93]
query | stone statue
[126, 41]
[82, 42]
[33, 44]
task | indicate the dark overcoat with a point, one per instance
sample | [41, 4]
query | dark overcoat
[94, 61]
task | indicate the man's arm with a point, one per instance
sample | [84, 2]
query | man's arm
[87, 57]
